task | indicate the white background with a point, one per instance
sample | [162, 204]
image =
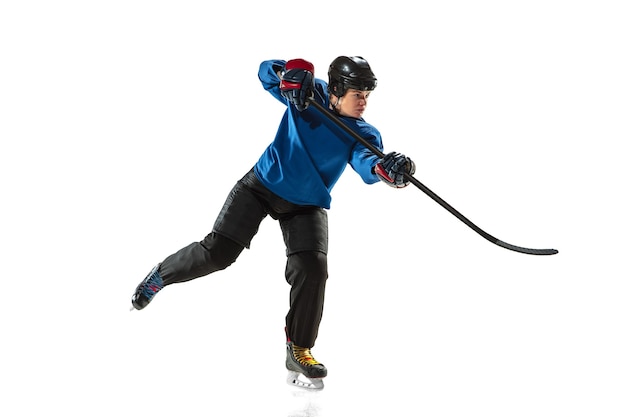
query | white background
[124, 124]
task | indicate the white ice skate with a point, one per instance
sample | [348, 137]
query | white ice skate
[298, 379]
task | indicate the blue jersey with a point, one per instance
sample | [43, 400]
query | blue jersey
[309, 152]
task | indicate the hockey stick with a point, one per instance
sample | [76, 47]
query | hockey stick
[428, 192]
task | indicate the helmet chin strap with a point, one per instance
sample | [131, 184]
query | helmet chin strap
[334, 105]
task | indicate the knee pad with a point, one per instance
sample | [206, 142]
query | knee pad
[223, 251]
[310, 266]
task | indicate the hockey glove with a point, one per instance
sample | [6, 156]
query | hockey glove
[392, 167]
[296, 83]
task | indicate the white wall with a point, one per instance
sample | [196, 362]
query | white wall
[124, 125]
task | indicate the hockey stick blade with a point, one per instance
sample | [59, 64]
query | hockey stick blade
[468, 222]
[330, 115]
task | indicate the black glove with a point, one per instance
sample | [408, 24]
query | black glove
[392, 167]
[297, 81]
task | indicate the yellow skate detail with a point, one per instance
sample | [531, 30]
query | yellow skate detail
[304, 356]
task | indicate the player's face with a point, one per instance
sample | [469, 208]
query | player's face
[353, 103]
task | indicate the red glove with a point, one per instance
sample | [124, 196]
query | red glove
[392, 167]
[297, 82]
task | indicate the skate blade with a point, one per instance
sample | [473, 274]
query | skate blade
[298, 380]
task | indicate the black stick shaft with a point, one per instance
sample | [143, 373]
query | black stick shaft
[428, 192]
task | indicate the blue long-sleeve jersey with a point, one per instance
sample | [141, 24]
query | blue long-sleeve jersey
[309, 152]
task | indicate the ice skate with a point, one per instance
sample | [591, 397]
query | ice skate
[147, 289]
[303, 370]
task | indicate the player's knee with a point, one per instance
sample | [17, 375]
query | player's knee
[222, 250]
[310, 265]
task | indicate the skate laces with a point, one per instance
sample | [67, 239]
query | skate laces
[152, 285]
[304, 356]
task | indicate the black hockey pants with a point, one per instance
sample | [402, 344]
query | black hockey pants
[305, 233]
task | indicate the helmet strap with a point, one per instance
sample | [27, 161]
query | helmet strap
[334, 105]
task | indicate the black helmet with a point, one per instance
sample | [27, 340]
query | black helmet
[350, 72]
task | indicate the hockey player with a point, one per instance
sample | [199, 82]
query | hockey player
[291, 182]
